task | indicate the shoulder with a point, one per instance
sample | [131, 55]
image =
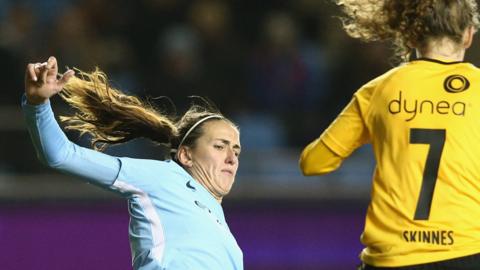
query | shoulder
[387, 76]
[147, 176]
[369, 88]
[146, 162]
[469, 70]
[151, 167]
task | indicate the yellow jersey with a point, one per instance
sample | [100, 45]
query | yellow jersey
[423, 121]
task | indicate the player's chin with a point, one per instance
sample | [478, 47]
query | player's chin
[227, 183]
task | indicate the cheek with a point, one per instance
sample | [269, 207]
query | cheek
[216, 159]
[209, 161]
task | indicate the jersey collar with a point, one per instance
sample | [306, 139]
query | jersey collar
[437, 61]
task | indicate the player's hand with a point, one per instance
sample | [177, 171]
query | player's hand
[43, 81]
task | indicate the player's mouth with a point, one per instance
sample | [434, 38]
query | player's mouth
[227, 171]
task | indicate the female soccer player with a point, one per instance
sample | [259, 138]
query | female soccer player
[422, 119]
[176, 219]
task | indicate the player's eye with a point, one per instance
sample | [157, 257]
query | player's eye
[219, 146]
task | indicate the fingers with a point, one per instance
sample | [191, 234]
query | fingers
[52, 63]
[65, 77]
[30, 72]
[52, 67]
[43, 72]
[33, 70]
[47, 72]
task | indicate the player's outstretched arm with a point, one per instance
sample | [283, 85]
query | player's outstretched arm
[51, 144]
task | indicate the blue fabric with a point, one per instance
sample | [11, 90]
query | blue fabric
[175, 223]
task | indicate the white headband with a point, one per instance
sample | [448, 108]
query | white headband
[193, 127]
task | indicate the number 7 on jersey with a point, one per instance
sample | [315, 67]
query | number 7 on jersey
[435, 138]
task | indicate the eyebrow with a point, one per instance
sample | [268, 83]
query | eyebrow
[235, 146]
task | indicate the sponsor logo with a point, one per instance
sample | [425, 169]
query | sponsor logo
[456, 83]
[412, 108]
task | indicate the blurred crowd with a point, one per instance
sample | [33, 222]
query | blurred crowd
[281, 68]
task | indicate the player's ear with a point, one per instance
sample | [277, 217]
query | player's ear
[184, 156]
[468, 37]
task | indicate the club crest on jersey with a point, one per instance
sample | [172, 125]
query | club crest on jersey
[456, 83]
[412, 107]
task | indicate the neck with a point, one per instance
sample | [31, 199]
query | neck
[208, 185]
[443, 57]
[445, 50]
[210, 190]
[216, 196]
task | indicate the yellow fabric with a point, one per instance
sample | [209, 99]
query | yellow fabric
[412, 121]
[317, 159]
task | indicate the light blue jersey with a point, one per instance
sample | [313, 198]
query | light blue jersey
[175, 223]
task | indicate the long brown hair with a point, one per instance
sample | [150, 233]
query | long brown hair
[408, 23]
[113, 117]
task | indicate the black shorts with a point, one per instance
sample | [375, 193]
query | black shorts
[471, 262]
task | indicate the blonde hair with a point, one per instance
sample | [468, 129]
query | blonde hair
[408, 23]
[112, 117]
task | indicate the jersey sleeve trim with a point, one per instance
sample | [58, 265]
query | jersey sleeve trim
[335, 146]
